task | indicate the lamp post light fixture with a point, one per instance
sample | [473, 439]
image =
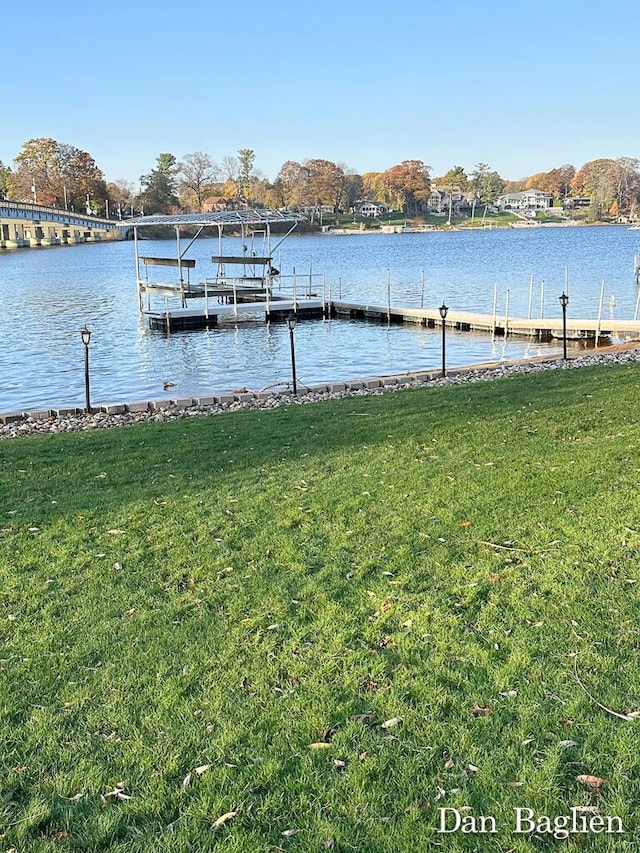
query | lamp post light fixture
[85, 334]
[564, 301]
[443, 313]
[291, 322]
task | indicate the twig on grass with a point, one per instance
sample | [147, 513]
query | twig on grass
[634, 715]
[510, 548]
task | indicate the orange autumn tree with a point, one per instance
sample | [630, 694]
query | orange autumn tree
[409, 183]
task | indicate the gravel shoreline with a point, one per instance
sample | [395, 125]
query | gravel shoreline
[18, 424]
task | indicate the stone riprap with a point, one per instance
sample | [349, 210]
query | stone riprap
[16, 424]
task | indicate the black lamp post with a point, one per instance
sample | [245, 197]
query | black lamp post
[443, 313]
[86, 337]
[564, 301]
[291, 322]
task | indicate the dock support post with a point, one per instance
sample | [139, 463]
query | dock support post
[422, 289]
[599, 326]
[388, 296]
[183, 299]
[495, 310]
[530, 296]
[295, 292]
[135, 245]
[506, 313]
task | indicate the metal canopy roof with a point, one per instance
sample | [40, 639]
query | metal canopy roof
[220, 217]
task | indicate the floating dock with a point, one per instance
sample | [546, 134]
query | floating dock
[183, 319]
[542, 329]
[312, 307]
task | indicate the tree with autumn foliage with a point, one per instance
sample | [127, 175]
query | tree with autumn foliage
[312, 184]
[409, 183]
[62, 175]
[612, 185]
[557, 181]
[374, 188]
[121, 196]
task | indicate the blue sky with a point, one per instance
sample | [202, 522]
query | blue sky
[524, 85]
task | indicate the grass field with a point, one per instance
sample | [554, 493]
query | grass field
[313, 628]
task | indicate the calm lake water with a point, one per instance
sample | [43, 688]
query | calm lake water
[48, 294]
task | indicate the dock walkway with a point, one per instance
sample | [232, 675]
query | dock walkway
[499, 324]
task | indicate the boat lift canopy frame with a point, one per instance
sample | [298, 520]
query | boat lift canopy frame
[244, 219]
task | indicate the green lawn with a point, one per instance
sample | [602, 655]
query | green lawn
[328, 621]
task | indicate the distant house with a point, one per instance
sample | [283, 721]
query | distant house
[577, 201]
[372, 209]
[527, 200]
[218, 202]
[444, 198]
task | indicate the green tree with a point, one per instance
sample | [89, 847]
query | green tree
[245, 172]
[159, 187]
[456, 177]
[5, 179]
[486, 184]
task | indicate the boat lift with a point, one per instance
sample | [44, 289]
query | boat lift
[240, 280]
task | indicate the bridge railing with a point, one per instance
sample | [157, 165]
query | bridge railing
[10, 209]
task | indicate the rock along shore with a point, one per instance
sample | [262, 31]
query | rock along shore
[47, 422]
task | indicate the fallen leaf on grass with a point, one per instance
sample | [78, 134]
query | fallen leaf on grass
[389, 724]
[117, 793]
[592, 781]
[509, 694]
[369, 718]
[448, 764]
[222, 820]
[75, 797]
[116, 532]
[479, 711]
[319, 745]
[289, 833]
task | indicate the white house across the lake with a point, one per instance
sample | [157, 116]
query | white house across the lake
[525, 200]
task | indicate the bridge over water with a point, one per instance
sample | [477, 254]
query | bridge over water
[23, 224]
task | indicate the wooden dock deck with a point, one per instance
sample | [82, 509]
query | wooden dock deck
[542, 329]
[500, 324]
